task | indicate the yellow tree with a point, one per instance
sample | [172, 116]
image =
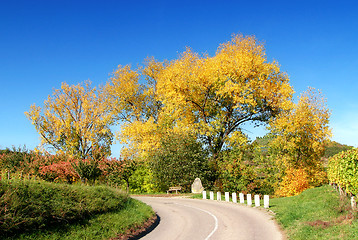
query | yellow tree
[215, 96]
[75, 120]
[132, 95]
[300, 136]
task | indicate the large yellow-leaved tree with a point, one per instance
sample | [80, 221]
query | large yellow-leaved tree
[75, 120]
[215, 96]
[210, 97]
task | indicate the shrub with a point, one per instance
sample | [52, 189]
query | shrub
[59, 172]
[141, 181]
[295, 181]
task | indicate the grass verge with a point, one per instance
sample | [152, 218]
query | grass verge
[318, 213]
[102, 226]
[41, 210]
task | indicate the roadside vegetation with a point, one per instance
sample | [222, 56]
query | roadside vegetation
[318, 213]
[40, 210]
[179, 120]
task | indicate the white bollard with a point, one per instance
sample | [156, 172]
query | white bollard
[249, 200]
[227, 197]
[257, 200]
[266, 201]
[242, 199]
[234, 197]
[353, 203]
[204, 194]
[218, 196]
[211, 195]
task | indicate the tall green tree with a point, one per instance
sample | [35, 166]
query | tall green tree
[178, 161]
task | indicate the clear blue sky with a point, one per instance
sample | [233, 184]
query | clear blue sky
[44, 43]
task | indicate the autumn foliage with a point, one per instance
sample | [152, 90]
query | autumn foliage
[59, 172]
[75, 120]
[212, 99]
[300, 137]
[343, 171]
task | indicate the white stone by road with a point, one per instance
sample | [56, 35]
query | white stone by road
[182, 218]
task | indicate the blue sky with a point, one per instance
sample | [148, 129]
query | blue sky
[44, 43]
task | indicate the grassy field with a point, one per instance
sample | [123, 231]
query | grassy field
[317, 213]
[42, 210]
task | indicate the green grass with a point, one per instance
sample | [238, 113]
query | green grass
[317, 213]
[102, 226]
[42, 210]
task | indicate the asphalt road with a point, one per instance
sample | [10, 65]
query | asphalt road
[182, 218]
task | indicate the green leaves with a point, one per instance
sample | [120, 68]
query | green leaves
[343, 170]
[179, 160]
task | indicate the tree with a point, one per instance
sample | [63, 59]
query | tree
[75, 120]
[135, 105]
[215, 96]
[211, 97]
[122, 169]
[300, 136]
[178, 161]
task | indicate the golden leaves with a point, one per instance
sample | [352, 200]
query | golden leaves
[75, 120]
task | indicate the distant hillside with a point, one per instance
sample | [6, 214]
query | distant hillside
[332, 148]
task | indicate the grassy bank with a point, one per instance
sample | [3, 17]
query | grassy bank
[317, 213]
[40, 210]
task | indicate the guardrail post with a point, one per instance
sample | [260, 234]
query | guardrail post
[218, 196]
[353, 203]
[257, 200]
[211, 195]
[204, 194]
[242, 199]
[249, 200]
[234, 197]
[227, 197]
[266, 201]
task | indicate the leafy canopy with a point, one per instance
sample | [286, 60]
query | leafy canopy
[211, 97]
[75, 120]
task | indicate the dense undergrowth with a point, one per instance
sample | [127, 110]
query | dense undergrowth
[27, 205]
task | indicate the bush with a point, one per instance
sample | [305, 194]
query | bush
[30, 205]
[141, 181]
[59, 172]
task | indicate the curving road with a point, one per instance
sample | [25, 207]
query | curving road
[182, 218]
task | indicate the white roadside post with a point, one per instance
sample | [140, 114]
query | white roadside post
[242, 199]
[353, 203]
[204, 194]
[249, 200]
[227, 197]
[257, 200]
[211, 195]
[218, 196]
[234, 197]
[266, 201]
